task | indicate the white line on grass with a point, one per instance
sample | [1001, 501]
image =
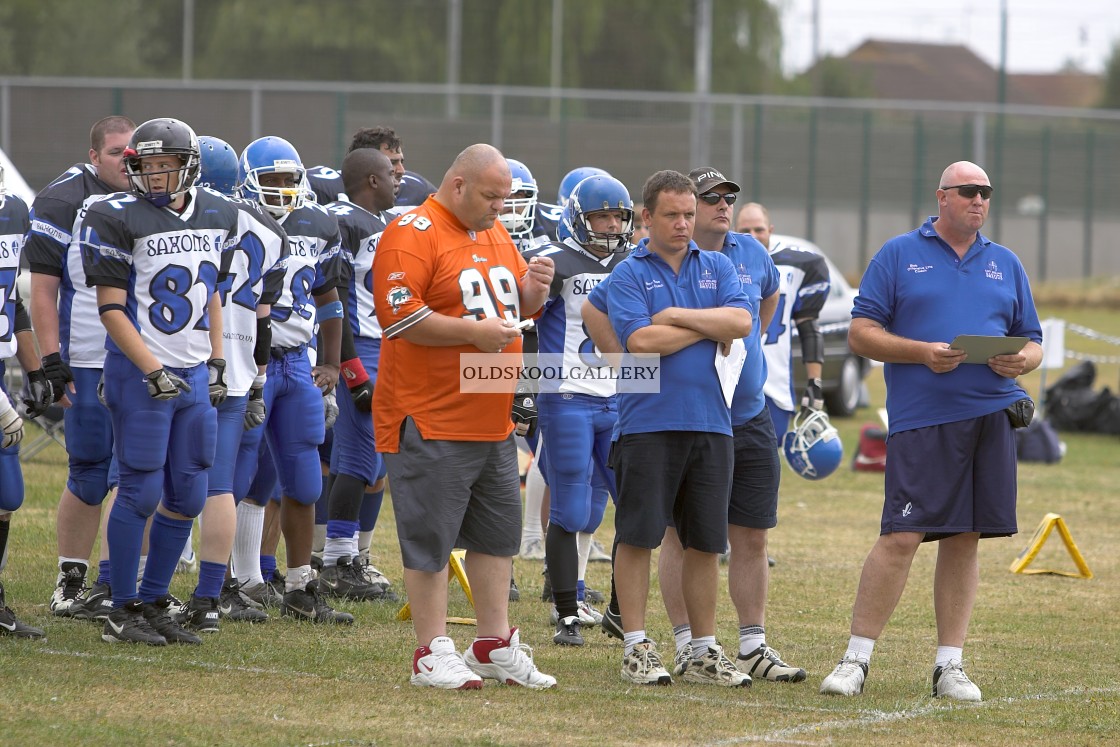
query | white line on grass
[882, 717]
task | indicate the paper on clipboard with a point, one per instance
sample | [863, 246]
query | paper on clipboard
[729, 366]
[982, 347]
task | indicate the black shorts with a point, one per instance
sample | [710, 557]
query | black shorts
[952, 478]
[679, 478]
[754, 485]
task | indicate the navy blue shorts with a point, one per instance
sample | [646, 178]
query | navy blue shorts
[952, 478]
[673, 478]
[754, 483]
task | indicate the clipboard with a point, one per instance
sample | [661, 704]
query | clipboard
[982, 347]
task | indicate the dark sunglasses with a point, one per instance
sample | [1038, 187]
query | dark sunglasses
[968, 191]
[713, 198]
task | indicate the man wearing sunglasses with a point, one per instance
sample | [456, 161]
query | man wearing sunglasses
[951, 473]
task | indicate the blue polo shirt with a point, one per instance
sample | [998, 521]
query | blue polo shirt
[760, 279]
[642, 285]
[917, 288]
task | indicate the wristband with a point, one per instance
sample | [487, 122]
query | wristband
[353, 373]
[331, 310]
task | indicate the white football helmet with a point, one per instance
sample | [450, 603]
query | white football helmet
[520, 213]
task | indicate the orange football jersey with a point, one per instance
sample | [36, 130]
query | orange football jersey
[428, 262]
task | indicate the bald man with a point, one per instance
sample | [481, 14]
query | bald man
[951, 473]
[448, 281]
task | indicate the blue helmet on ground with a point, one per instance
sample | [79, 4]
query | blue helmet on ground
[595, 194]
[219, 165]
[812, 447]
[521, 206]
[572, 178]
[272, 155]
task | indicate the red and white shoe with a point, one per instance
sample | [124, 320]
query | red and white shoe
[440, 665]
[508, 661]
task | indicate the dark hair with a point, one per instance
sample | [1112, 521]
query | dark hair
[665, 181]
[375, 137]
[108, 126]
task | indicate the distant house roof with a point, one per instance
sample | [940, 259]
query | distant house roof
[953, 72]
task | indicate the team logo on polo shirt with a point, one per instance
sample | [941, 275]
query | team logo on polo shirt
[919, 269]
[707, 280]
[992, 270]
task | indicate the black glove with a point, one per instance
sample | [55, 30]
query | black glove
[39, 393]
[59, 374]
[524, 411]
[813, 398]
[162, 384]
[218, 389]
[254, 406]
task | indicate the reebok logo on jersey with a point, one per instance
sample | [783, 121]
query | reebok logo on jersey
[395, 276]
[477, 258]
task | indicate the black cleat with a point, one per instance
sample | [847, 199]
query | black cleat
[514, 592]
[567, 632]
[344, 580]
[158, 615]
[10, 625]
[127, 624]
[612, 624]
[201, 614]
[232, 606]
[68, 589]
[96, 604]
[308, 604]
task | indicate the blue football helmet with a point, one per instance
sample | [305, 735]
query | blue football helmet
[596, 194]
[219, 165]
[813, 448]
[521, 205]
[572, 178]
[272, 155]
[160, 137]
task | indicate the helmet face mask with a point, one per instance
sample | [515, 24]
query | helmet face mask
[163, 137]
[812, 447]
[273, 155]
[520, 213]
[596, 194]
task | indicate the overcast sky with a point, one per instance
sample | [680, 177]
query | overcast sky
[1042, 34]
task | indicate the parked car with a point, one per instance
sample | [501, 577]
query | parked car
[843, 373]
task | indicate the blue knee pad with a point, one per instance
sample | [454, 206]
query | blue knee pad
[141, 456]
[11, 480]
[89, 439]
[190, 454]
[294, 431]
[231, 418]
[263, 479]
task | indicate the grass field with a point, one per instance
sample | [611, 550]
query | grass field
[1043, 648]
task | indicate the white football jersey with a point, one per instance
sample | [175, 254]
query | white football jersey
[13, 226]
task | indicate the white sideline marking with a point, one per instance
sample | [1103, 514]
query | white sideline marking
[786, 735]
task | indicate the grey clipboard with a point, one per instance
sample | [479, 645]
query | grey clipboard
[982, 347]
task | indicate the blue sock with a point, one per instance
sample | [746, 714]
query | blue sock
[124, 533]
[165, 545]
[341, 529]
[371, 509]
[211, 576]
[103, 572]
[581, 591]
[268, 566]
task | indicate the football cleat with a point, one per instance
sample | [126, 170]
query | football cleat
[68, 588]
[344, 580]
[201, 614]
[232, 605]
[10, 625]
[159, 617]
[308, 604]
[127, 624]
[96, 604]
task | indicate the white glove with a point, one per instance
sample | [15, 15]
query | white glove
[330, 410]
[11, 424]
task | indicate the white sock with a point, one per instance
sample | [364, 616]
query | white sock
[319, 538]
[335, 548]
[946, 654]
[297, 578]
[534, 496]
[701, 645]
[860, 648]
[188, 547]
[365, 539]
[632, 639]
[84, 562]
[247, 543]
[750, 638]
[583, 545]
[682, 636]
